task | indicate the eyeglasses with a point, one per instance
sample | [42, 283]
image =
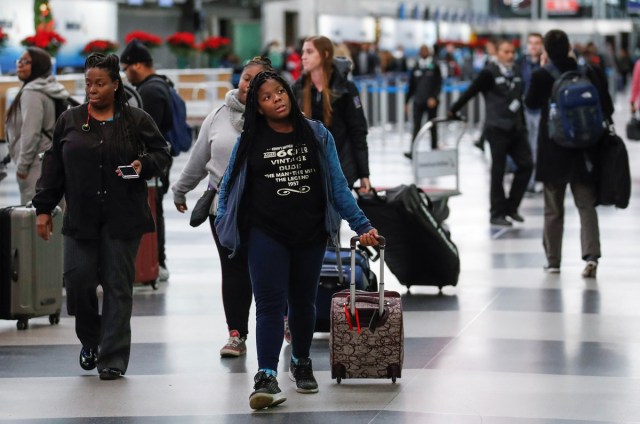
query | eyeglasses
[23, 62]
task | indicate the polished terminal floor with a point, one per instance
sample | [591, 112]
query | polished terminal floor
[509, 345]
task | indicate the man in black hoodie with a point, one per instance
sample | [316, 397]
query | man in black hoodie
[559, 166]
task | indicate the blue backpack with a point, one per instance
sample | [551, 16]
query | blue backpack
[180, 136]
[575, 112]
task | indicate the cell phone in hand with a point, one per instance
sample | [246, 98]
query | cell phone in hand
[128, 172]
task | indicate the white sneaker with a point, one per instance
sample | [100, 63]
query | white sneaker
[163, 273]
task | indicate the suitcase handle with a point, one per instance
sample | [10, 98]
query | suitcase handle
[382, 242]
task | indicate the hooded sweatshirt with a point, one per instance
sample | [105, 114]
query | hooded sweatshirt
[26, 129]
[211, 151]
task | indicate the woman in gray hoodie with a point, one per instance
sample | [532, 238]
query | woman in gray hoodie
[210, 156]
[31, 118]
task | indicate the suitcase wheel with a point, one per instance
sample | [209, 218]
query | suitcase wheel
[339, 372]
[393, 372]
[22, 324]
[54, 318]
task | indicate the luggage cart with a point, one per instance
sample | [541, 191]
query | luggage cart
[437, 172]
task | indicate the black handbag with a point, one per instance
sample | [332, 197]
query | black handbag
[633, 128]
[201, 210]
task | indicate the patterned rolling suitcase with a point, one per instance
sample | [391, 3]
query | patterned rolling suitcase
[30, 267]
[367, 336]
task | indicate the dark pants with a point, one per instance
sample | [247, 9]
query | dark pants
[236, 286]
[283, 275]
[515, 144]
[110, 263]
[418, 112]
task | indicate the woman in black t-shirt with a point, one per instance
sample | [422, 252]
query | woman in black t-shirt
[283, 194]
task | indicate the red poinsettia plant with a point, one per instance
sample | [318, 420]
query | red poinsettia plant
[99, 46]
[3, 38]
[149, 40]
[50, 41]
[214, 45]
[182, 43]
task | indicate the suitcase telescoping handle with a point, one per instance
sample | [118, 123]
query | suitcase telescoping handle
[352, 286]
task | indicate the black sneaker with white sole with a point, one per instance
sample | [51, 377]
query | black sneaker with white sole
[266, 392]
[302, 374]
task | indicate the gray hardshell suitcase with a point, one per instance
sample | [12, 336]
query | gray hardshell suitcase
[30, 267]
[367, 335]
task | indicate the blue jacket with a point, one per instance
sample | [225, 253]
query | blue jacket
[338, 197]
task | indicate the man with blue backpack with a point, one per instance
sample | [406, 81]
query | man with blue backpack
[575, 109]
[161, 101]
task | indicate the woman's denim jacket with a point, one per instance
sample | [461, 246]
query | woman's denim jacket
[339, 200]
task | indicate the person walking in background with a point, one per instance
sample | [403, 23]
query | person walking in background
[558, 167]
[325, 93]
[365, 61]
[282, 195]
[635, 86]
[501, 85]
[528, 64]
[137, 65]
[31, 117]
[210, 157]
[425, 83]
[624, 65]
[106, 214]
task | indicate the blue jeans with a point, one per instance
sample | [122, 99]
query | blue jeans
[281, 275]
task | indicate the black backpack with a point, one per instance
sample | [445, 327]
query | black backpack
[180, 136]
[60, 106]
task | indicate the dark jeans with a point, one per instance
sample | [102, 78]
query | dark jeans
[110, 263]
[283, 275]
[236, 285]
[515, 144]
[418, 112]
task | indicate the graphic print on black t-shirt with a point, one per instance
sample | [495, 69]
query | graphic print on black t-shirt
[291, 168]
[286, 196]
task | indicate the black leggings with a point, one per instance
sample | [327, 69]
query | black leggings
[236, 286]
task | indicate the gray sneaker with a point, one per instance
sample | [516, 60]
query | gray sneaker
[236, 345]
[302, 374]
[590, 270]
[266, 392]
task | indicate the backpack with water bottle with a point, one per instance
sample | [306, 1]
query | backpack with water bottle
[576, 119]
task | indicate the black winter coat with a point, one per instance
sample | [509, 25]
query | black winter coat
[349, 125]
[80, 167]
[557, 164]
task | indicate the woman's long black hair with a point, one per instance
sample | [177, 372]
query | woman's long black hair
[253, 121]
[125, 142]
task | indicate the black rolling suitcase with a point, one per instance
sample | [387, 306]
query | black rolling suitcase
[30, 268]
[336, 276]
[420, 250]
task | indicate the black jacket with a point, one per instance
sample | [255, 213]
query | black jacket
[499, 93]
[349, 125]
[80, 167]
[424, 83]
[156, 101]
[557, 164]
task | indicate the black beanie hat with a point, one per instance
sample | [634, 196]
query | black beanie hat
[556, 44]
[40, 63]
[135, 52]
